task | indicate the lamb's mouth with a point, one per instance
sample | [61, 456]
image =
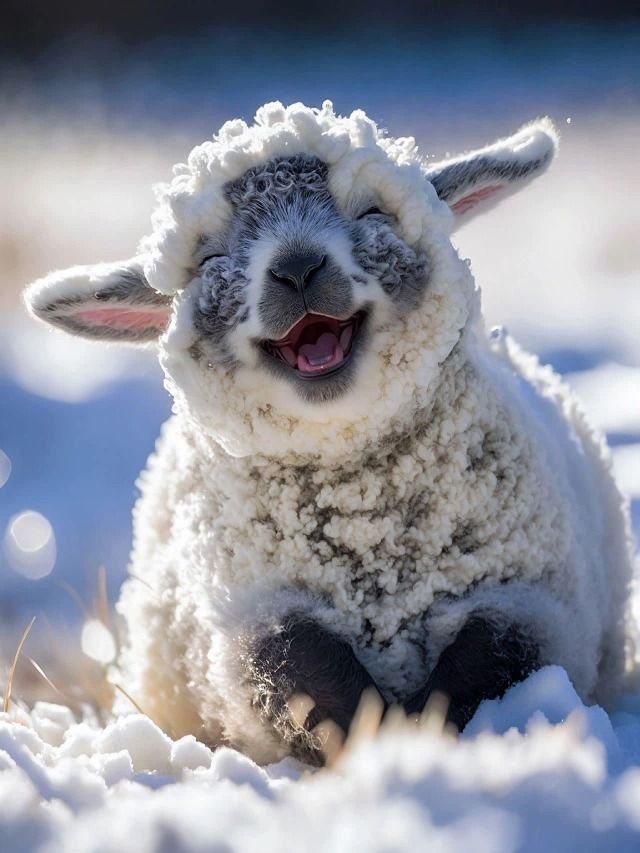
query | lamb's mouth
[317, 345]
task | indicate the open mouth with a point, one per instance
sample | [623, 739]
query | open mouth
[317, 344]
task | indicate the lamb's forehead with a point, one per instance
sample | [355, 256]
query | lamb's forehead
[357, 155]
[280, 177]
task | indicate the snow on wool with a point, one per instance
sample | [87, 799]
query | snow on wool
[456, 475]
[559, 778]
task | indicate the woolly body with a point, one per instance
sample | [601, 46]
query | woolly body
[456, 476]
[501, 479]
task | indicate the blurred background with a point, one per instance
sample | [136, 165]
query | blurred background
[97, 103]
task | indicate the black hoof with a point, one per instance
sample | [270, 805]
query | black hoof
[302, 657]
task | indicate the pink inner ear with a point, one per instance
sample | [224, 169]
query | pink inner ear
[465, 203]
[131, 318]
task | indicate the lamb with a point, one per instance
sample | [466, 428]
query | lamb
[359, 487]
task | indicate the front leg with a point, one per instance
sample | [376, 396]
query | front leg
[300, 656]
[484, 660]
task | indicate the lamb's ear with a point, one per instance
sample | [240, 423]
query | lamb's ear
[475, 181]
[105, 301]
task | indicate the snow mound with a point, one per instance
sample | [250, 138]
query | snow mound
[534, 771]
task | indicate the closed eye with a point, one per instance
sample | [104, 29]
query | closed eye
[372, 211]
[210, 258]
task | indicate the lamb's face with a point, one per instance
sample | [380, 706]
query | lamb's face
[296, 286]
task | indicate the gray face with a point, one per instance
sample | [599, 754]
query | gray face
[308, 276]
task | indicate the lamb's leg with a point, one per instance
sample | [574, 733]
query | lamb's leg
[484, 660]
[302, 657]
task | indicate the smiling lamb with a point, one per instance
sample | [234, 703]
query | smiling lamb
[358, 486]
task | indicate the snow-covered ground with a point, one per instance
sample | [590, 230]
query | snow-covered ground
[535, 771]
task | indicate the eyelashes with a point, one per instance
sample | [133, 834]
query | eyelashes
[375, 211]
[206, 258]
[372, 211]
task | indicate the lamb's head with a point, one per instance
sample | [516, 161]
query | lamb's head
[300, 275]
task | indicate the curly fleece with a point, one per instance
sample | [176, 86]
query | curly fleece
[458, 476]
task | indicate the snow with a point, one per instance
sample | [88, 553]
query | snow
[533, 771]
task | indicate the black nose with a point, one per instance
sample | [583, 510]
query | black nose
[297, 270]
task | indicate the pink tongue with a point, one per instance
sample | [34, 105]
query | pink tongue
[325, 353]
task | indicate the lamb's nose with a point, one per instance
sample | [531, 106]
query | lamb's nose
[297, 270]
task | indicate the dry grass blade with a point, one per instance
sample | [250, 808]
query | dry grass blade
[7, 693]
[366, 720]
[74, 595]
[102, 599]
[365, 724]
[129, 697]
[434, 717]
[44, 675]
[396, 720]
[331, 740]
[142, 581]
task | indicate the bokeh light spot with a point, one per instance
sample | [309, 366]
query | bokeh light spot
[30, 545]
[97, 641]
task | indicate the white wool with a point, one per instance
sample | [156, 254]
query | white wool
[457, 463]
